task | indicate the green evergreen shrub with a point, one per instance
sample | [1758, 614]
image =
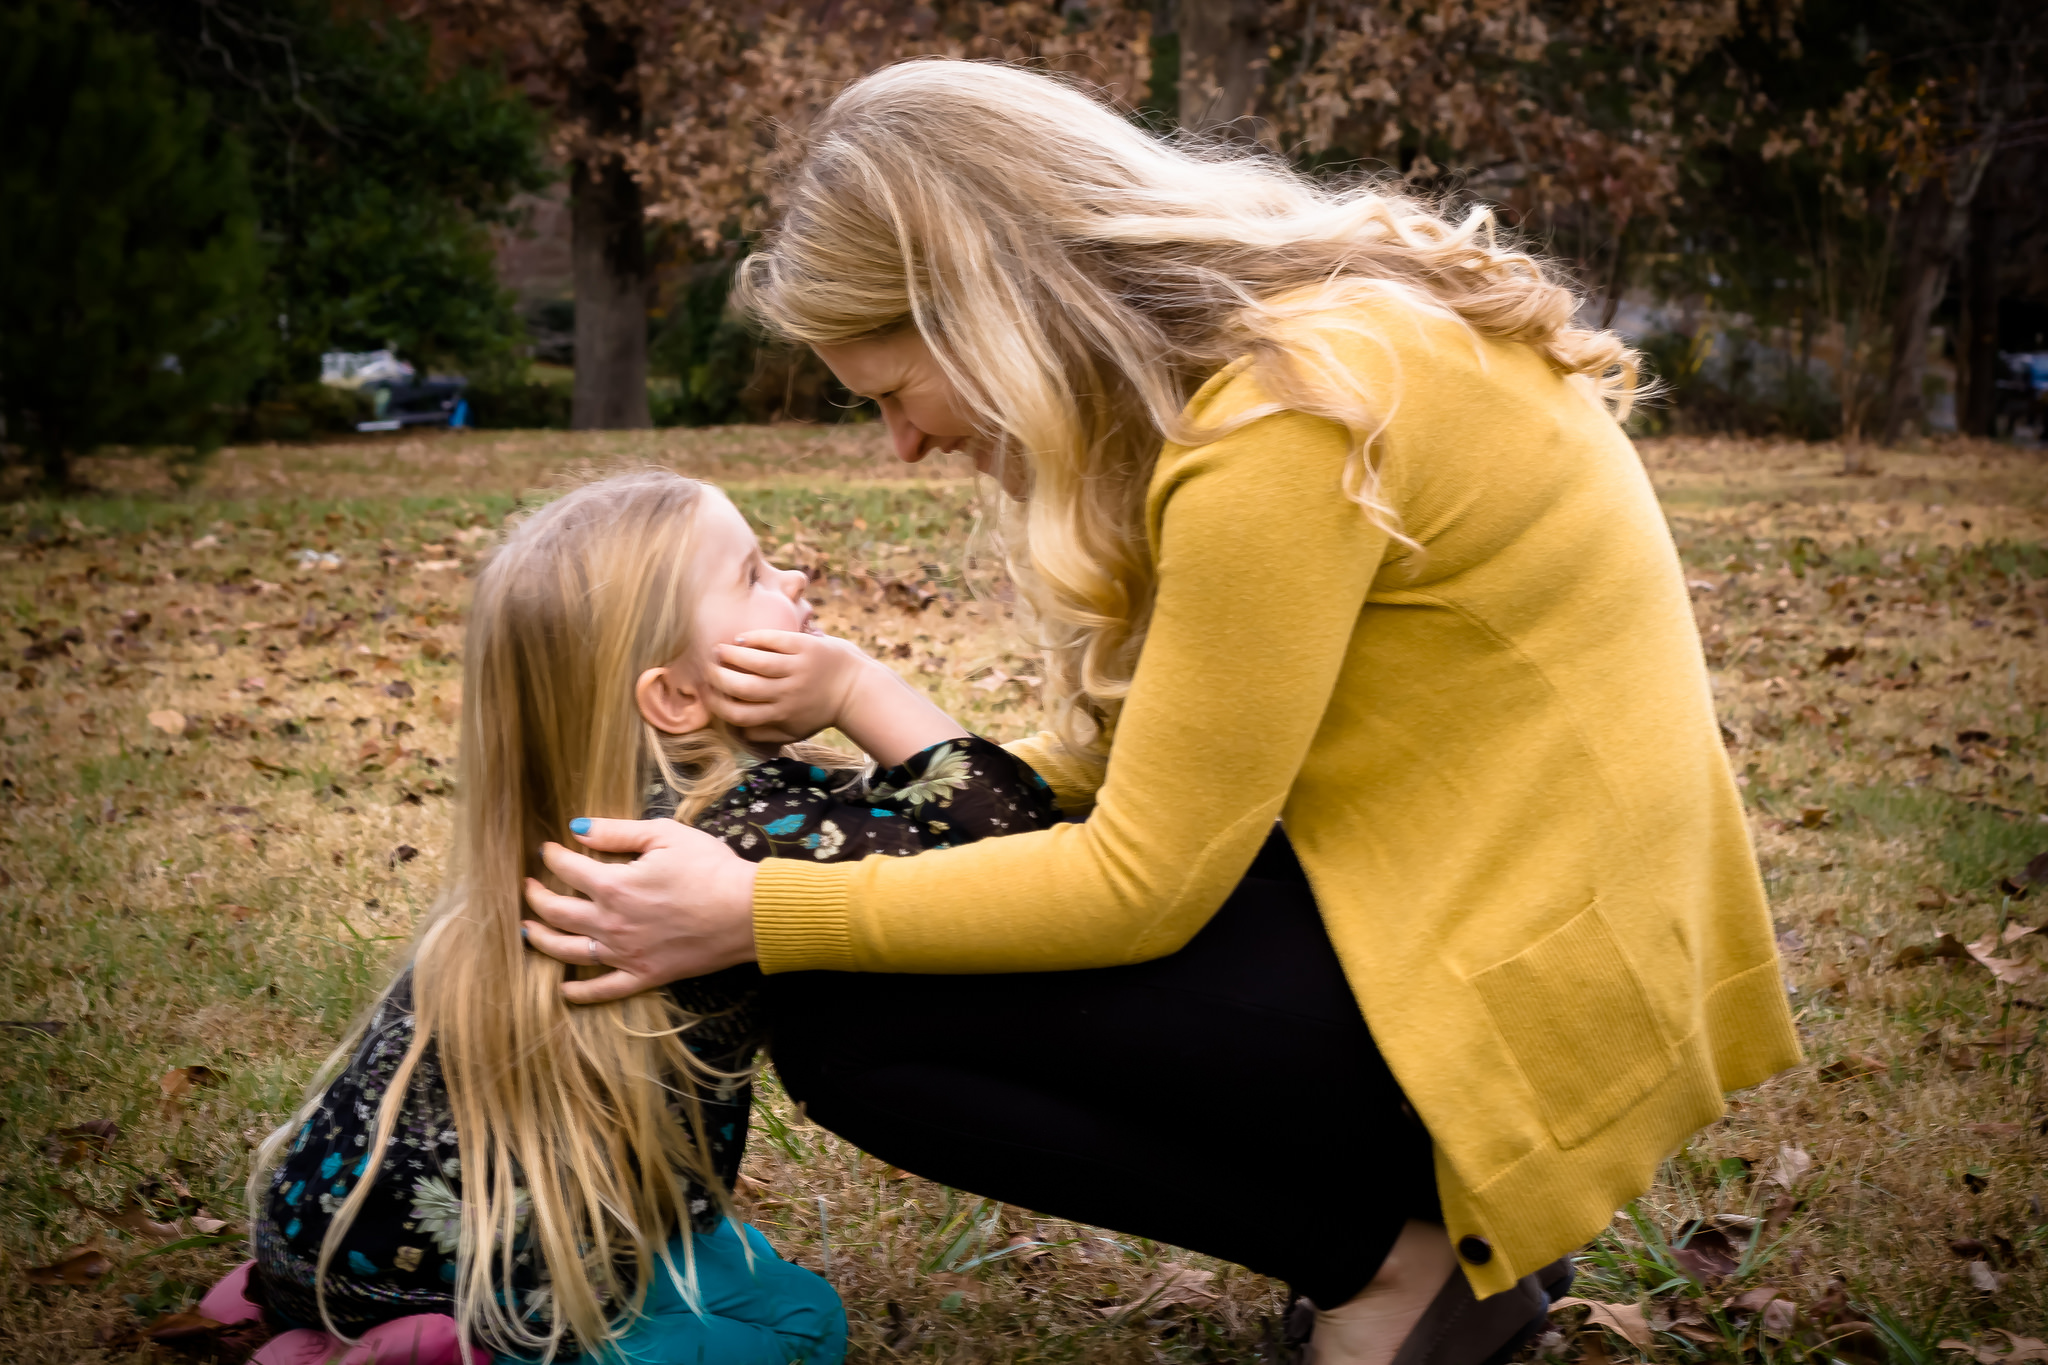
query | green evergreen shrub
[131, 301]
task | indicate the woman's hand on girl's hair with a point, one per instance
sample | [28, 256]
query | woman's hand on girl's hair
[780, 686]
[683, 908]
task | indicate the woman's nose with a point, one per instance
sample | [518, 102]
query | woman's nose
[909, 441]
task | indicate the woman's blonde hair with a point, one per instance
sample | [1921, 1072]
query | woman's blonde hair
[578, 1124]
[1078, 279]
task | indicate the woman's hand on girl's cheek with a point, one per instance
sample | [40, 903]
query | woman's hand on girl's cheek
[780, 686]
[683, 908]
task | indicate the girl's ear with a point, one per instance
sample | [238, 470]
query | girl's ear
[669, 703]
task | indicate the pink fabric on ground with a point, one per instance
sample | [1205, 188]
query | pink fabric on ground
[422, 1339]
[228, 1301]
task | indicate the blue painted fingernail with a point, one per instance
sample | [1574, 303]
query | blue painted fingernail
[579, 826]
[523, 935]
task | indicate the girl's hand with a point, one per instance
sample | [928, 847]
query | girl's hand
[780, 686]
[683, 908]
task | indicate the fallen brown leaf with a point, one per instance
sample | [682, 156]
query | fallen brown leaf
[1790, 1167]
[1777, 1312]
[82, 1265]
[134, 1219]
[177, 1329]
[1850, 1065]
[2023, 1348]
[1983, 1277]
[1782, 1208]
[182, 1080]
[1751, 1300]
[1174, 1286]
[1998, 1130]
[170, 722]
[69, 1146]
[1625, 1320]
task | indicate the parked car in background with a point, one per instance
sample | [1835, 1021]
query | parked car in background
[2023, 395]
[400, 397]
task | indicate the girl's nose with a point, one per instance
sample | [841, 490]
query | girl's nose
[794, 581]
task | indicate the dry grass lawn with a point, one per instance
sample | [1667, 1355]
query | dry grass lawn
[227, 775]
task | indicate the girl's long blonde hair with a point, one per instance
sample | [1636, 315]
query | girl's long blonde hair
[1079, 278]
[587, 1109]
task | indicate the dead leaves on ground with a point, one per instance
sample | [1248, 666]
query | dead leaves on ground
[88, 1140]
[190, 1334]
[180, 1081]
[1985, 952]
[133, 1217]
[2017, 1350]
[1744, 1319]
[1625, 1320]
[80, 1267]
[1175, 1286]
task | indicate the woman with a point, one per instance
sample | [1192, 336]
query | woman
[1325, 519]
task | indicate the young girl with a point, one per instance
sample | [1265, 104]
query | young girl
[557, 1178]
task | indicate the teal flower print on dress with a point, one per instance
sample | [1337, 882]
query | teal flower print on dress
[788, 824]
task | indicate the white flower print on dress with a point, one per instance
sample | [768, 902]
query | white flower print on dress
[945, 773]
[437, 1211]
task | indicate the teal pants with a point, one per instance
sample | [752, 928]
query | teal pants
[767, 1313]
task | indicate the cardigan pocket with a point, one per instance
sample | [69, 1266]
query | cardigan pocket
[1573, 1013]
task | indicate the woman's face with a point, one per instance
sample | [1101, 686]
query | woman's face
[917, 400]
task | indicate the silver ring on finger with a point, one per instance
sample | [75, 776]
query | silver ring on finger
[592, 945]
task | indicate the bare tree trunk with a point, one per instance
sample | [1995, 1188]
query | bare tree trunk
[608, 240]
[1940, 220]
[1222, 61]
[1922, 281]
[1977, 346]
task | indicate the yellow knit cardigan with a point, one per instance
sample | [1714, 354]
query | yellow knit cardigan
[1498, 761]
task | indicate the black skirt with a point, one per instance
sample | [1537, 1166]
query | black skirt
[1227, 1098]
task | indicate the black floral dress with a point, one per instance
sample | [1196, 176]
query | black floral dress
[399, 1255]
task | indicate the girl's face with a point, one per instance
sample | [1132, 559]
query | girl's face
[739, 591]
[918, 402]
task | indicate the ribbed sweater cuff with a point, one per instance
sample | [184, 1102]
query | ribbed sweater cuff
[800, 916]
[1074, 781]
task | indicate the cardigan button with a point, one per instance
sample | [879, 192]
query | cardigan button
[1477, 1250]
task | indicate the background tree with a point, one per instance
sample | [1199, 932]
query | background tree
[1946, 90]
[377, 167]
[677, 116]
[133, 283]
